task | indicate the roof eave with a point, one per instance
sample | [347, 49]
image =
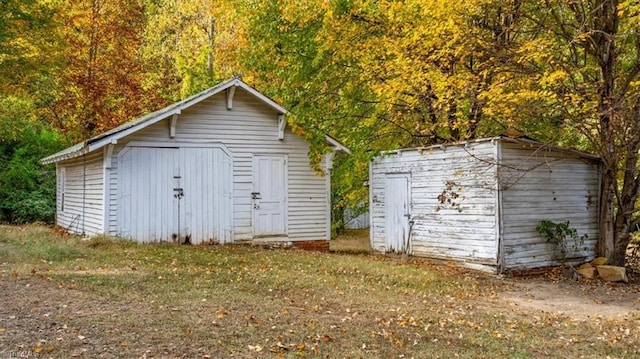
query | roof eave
[337, 145]
[556, 148]
[114, 137]
[65, 154]
[501, 138]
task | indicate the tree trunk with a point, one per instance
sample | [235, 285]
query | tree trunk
[604, 50]
[452, 119]
[620, 241]
[606, 230]
[614, 226]
[475, 114]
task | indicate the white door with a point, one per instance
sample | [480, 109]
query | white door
[269, 196]
[397, 209]
[207, 204]
[147, 208]
[175, 195]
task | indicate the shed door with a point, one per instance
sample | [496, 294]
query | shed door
[175, 195]
[147, 208]
[269, 196]
[207, 204]
[397, 209]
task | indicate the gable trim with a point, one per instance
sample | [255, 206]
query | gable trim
[128, 128]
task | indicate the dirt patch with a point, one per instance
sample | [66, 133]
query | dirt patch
[578, 301]
[548, 293]
[47, 317]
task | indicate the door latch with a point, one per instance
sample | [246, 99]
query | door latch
[255, 196]
[178, 193]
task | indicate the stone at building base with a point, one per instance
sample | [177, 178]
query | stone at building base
[613, 273]
[600, 261]
[588, 272]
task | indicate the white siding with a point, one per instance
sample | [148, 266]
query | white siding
[249, 129]
[539, 184]
[81, 181]
[148, 208]
[355, 222]
[462, 227]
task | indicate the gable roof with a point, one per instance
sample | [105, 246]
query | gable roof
[113, 135]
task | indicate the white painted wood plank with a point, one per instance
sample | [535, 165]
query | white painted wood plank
[83, 209]
[443, 230]
[555, 186]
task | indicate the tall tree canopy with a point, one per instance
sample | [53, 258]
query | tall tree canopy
[101, 81]
[26, 42]
[189, 45]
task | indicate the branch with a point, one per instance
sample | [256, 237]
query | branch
[633, 73]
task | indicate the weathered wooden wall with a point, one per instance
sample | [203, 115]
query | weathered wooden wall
[453, 201]
[351, 221]
[480, 202]
[540, 184]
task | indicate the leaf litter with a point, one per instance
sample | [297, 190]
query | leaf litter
[243, 302]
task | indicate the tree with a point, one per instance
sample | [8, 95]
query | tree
[190, 45]
[28, 54]
[100, 85]
[27, 188]
[26, 42]
[595, 52]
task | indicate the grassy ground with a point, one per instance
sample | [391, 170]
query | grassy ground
[354, 241]
[62, 297]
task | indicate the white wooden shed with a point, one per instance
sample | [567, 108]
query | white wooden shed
[479, 202]
[220, 166]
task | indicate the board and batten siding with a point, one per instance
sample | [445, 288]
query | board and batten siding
[540, 184]
[79, 199]
[248, 129]
[453, 201]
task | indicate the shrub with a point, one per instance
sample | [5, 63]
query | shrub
[559, 235]
[27, 188]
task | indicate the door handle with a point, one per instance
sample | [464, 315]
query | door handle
[255, 195]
